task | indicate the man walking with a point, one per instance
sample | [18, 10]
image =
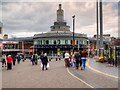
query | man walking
[44, 62]
[77, 58]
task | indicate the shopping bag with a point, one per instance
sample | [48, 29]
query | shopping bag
[41, 65]
[48, 65]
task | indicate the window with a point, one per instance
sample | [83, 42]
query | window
[38, 42]
[71, 42]
[59, 42]
[50, 41]
[77, 42]
[62, 41]
[47, 42]
[44, 42]
[66, 41]
[41, 42]
[80, 42]
[54, 42]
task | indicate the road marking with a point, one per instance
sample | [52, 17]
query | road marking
[88, 65]
[79, 79]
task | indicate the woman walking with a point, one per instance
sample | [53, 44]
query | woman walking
[67, 57]
[83, 58]
[9, 62]
[73, 60]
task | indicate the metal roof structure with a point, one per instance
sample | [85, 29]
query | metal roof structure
[19, 39]
[59, 34]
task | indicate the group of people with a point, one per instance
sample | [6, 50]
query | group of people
[8, 61]
[77, 59]
[44, 60]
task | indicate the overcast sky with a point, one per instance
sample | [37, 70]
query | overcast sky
[27, 19]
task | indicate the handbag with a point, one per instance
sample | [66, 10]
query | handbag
[41, 65]
[48, 65]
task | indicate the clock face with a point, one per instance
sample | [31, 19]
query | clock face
[60, 12]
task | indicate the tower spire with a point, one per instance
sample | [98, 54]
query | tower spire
[60, 6]
[60, 14]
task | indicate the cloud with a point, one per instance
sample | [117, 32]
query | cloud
[38, 17]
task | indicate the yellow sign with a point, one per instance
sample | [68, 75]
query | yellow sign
[60, 12]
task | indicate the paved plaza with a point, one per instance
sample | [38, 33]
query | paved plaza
[25, 75]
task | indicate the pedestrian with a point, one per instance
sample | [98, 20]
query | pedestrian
[115, 62]
[9, 62]
[18, 59]
[77, 58]
[80, 59]
[44, 61]
[3, 60]
[73, 60]
[41, 56]
[63, 54]
[14, 60]
[84, 55]
[36, 59]
[67, 57]
[33, 59]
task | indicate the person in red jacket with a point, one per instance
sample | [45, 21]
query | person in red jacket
[9, 62]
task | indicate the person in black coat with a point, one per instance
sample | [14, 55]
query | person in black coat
[77, 58]
[44, 61]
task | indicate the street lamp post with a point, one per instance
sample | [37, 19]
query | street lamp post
[101, 30]
[73, 41]
[97, 44]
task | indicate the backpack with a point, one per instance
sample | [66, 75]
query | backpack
[77, 56]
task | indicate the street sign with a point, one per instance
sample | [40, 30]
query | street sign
[73, 43]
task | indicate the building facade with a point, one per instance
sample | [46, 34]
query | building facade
[14, 46]
[59, 38]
